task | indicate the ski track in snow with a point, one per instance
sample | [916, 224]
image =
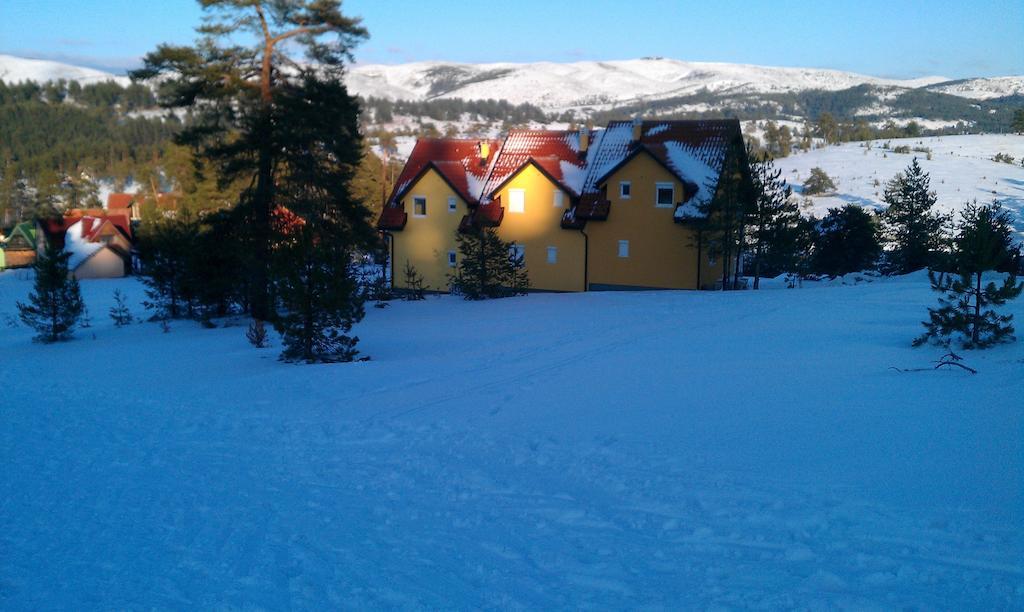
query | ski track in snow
[656, 450]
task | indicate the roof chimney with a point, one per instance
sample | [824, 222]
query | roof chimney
[485, 150]
[584, 139]
[637, 125]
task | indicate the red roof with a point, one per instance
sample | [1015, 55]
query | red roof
[120, 200]
[555, 152]
[392, 218]
[457, 160]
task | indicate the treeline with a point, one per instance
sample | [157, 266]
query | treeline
[452, 109]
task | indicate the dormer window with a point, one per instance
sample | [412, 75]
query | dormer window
[666, 197]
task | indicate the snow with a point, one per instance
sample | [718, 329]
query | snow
[80, 248]
[687, 162]
[615, 450]
[597, 85]
[16, 69]
[961, 170]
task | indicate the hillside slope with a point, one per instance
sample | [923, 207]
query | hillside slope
[655, 450]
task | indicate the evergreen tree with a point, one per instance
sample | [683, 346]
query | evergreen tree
[413, 283]
[848, 240]
[818, 183]
[235, 93]
[911, 227]
[984, 242]
[164, 255]
[772, 226]
[119, 311]
[488, 267]
[1017, 125]
[55, 304]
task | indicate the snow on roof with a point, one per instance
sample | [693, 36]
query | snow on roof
[78, 244]
[456, 159]
[611, 145]
[557, 152]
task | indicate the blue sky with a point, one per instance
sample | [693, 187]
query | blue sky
[893, 38]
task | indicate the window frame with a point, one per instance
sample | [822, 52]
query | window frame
[552, 255]
[657, 192]
[558, 199]
[511, 208]
[623, 243]
[629, 188]
[516, 250]
[452, 259]
[453, 204]
[416, 199]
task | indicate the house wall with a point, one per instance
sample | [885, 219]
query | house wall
[16, 258]
[105, 263]
[539, 227]
[425, 241]
[662, 253]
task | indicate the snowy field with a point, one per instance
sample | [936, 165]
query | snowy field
[668, 450]
[961, 170]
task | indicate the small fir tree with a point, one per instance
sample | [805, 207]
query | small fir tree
[257, 334]
[119, 312]
[487, 266]
[55, 305]
[912, 228]
[818, 183]
[984, 242]
[414, 290]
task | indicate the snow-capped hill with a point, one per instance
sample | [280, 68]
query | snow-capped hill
[15, 69]
[983, 89]
[567, 85]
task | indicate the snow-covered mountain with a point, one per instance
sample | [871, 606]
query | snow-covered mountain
[15, 69]
[614, 83]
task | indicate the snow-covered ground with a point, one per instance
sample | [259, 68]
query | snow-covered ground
[961, 170]
[672, 450]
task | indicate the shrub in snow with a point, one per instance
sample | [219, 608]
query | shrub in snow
[818, 183]
[257, 334]
[414, 290]
[119, 311]
[55, 305]
[966, 310]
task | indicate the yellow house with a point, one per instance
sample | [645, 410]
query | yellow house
[437, 189]
[616, 208]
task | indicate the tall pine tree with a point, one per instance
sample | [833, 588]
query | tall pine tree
[55, 304]
[772, 227]
[913, 229]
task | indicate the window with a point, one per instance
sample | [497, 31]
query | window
[451, 204]
[516, 251]
[451, 259]
[623, 248]
[552, 255]
[419, 206]
[516, 200]
[558, 198]
[625, 189]
[666, 195]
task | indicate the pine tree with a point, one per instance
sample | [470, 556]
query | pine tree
[911, 227]
[488, 267]
[119, 311]
[773, 220]
[819, 182]
[55, 304]
[847, 241]
[413, 283]
[236, 93]
[984, 242]
[257, 334]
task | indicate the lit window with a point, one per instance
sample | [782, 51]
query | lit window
[517, 252]
[552, 255]
[558, 198]
[516, 200]
[666, 195]
[623, 248]
[419, 206]
[451, 259]
[451, 204]
[625, 189]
